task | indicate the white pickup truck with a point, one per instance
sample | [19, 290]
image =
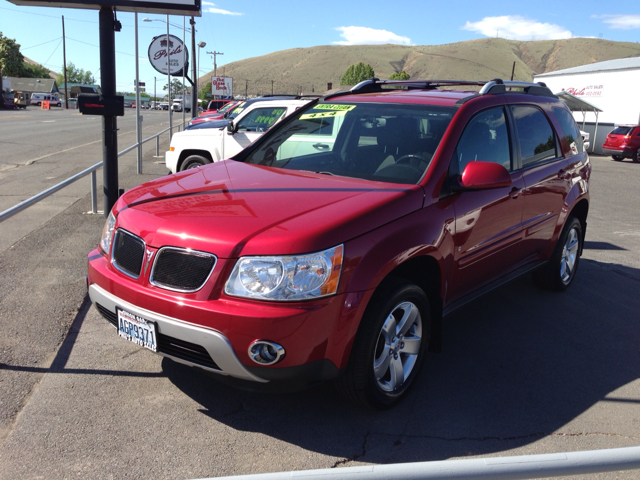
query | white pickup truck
[193, 148]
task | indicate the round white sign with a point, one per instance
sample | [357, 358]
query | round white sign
[178, 54]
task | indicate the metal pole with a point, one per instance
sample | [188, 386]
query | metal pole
[109, 123]
[184, 100]
[194, 71]
[94, 193]
[155, 98]
[138, 119]
[64, 59]
[157, 146]
[169, 81]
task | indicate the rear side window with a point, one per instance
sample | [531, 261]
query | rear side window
[486, 139]
[570, 129]
[536, 137]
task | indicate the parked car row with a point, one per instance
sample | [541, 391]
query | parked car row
[326, 239]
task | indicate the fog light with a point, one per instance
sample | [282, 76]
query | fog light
[264, 352]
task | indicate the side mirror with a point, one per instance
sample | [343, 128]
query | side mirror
[231, 129]
[586, 145]
[484, 176]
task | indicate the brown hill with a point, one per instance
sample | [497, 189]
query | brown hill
[307, 69]
[52, 74]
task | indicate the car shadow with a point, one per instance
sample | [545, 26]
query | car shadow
[517, 365]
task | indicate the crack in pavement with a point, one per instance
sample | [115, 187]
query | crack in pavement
[400, 437]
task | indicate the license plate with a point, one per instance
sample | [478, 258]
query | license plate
[137, 330]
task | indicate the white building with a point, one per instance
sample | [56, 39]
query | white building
[612, 86]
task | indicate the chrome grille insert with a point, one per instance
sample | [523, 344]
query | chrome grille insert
[181, 269]
[128, 253]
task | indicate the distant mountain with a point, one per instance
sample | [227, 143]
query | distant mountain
[304, 69]
[52, 74]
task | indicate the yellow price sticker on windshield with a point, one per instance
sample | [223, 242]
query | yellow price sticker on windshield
[308, 116]
[328, 106]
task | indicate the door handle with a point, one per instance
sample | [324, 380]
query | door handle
[564, 175]
[515, 191]
[320, 146]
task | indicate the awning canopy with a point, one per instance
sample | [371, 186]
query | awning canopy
[576, 104]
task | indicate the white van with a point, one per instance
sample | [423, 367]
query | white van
[38, 98]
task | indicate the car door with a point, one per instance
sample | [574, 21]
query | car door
[547, 176]
[250, 127]
[488, 231]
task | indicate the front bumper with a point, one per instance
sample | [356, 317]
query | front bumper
[223, 357]
[171, 160]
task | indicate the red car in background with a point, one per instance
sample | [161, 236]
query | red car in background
[215, 115]
[623, 142]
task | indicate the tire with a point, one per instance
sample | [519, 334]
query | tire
[617, 158]
[561, 269]
[384, 362]
[194, 161]
[636, 156]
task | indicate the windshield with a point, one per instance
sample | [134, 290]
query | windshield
[226, 107]
[382, 142]
[236, 111]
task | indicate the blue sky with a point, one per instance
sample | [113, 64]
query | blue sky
[248, 29]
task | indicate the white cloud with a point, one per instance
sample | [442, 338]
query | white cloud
[212, 9]
[369, 36]
[517, 27]
[620, 22]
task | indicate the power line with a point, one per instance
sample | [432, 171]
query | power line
[54, 51]
[40, 44]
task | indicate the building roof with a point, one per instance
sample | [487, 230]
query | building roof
[576, 104]
[33, 85]
[618, 64]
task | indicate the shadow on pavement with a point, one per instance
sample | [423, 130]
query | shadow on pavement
[517, 365]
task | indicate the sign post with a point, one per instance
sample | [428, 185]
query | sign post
[109, 102]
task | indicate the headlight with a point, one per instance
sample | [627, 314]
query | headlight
[107, 233]
[291, 278]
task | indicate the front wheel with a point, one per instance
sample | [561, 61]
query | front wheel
[194, 161]
[561, 269]
[390, 346]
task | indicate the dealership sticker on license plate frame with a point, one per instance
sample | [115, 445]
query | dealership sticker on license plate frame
[137, 330]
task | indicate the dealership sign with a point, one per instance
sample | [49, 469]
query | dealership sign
[222, 86]
[585, 90]
[178, 55]
[170, 7]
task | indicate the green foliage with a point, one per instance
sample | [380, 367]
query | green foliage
[357, 73]
[34, 71]
[11, 59]
[176, 87]
[203, 91]
[76, 75]
[400, 76]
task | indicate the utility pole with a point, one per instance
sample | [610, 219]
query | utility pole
[271, 87]
[215, 66]
[64, 59]
[246, 88]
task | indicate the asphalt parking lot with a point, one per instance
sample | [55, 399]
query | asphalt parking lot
[523, 371]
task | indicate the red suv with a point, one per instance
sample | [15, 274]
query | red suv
[333, 246]
[623, 142]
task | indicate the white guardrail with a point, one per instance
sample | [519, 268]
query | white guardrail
[91, 170]
[491, 468]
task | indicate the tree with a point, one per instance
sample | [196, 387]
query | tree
[202, 91]
[357, 73]
[400, 76]
[11, 59]
[76, 75]
[176, 87]
[34, 71]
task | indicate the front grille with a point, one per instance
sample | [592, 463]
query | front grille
[181, 270]
[190, 352]
[128, 253]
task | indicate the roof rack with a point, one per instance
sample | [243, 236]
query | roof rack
[492, 87]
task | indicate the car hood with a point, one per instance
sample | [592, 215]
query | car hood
[208, 124]
[231, 209]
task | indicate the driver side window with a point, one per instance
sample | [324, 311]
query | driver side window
[485, 138]
[261, 119]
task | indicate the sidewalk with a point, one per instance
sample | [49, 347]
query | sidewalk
[42, 286]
